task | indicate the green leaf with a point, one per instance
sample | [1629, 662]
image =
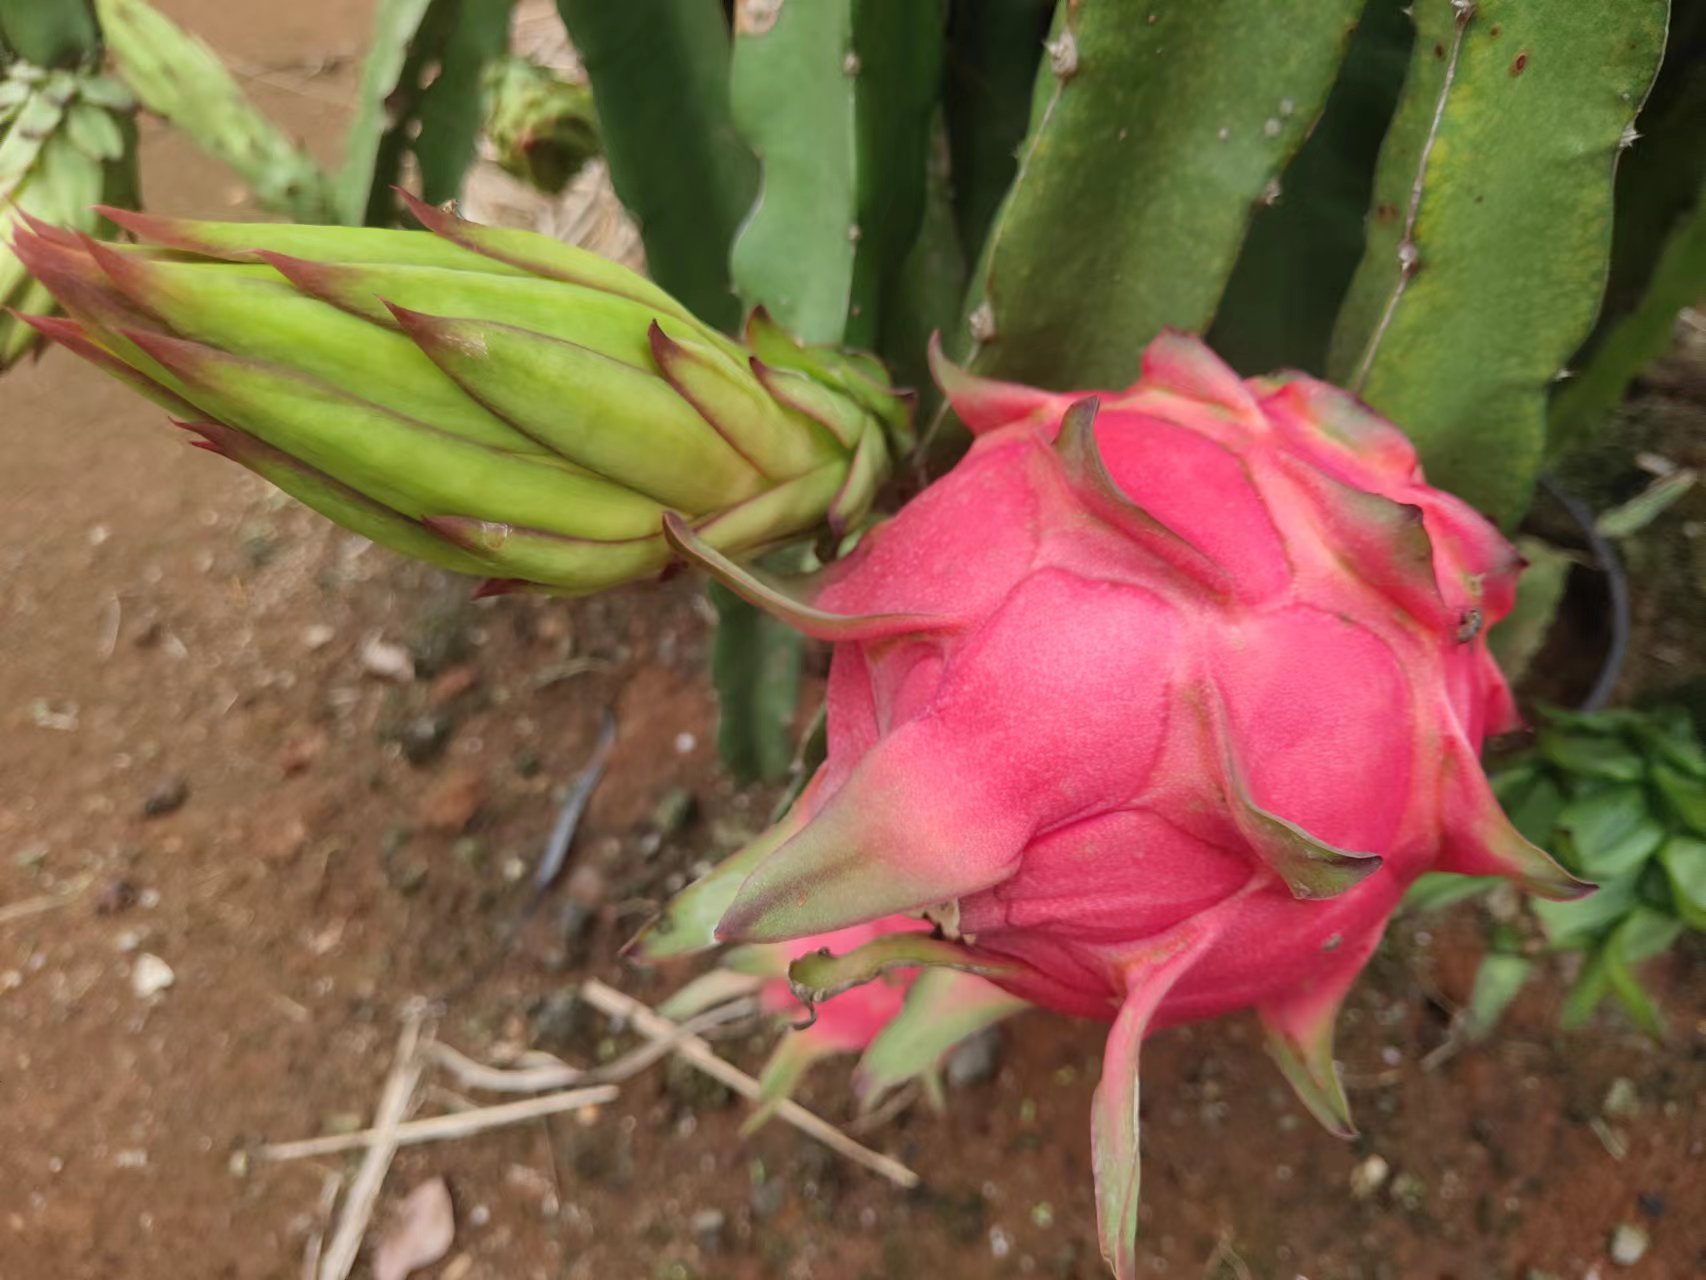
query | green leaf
[1497, 982]
[1592, 756]
[1640, 511]
[1437, 890]
[1153, 139]
[755, 666]
[1684, 861]
[660, 79]
[1640, 937]
[1532, 801]
[1490, 229]
[1611, 830]
[1686, 795]
[1669, 734]
[1570, 926]
[1519, 635]
[1590, 988]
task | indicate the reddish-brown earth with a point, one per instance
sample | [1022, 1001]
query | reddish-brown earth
[168, 626]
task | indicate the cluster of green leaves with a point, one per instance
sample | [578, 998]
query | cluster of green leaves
[1620, 798]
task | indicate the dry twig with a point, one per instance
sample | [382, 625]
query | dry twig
[458, 1124]
[556, 1074]
[26, 907]
[394, 1102]
[654, 1026]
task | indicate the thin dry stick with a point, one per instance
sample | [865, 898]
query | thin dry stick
[558, 1075]
[458, 1124]
[334, 1183]
[394, 1101]
[654, 1026]
[46, 902]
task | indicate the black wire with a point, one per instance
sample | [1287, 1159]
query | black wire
[1616, 585]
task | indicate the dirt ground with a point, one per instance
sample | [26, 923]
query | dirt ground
[200, 766]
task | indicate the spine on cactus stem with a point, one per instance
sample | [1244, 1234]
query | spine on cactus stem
[490, 400]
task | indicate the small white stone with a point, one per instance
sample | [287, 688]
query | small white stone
[151, 975]
[387, 661]
[1628, 1245]
[999, 1243]
[684, 743]
[1368, 1177]
[317, 636]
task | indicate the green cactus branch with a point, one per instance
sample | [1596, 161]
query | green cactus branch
[1638, 338]
[1491, 226]
[1661, 183]
[177, 77]
[994, 47]
[373, 144]
[1303, 250]
[660, 75]
[837, 99]
[1152, 142]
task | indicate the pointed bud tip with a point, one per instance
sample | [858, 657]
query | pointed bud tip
[441, 222]
[665, 349]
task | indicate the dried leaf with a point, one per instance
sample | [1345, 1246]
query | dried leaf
[423, 1232]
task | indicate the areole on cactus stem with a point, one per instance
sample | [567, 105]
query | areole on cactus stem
[1153, 707]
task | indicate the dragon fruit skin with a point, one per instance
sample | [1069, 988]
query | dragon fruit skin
[1154, 706]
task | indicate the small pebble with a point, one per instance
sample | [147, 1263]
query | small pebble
[1368, 1177]
[975, 1059]
[1622, 1100]
[423, 737]
[1628, 1244]
[151, 975]
[707, 1226]
[166, 798]
[317, 636]
[387, 661]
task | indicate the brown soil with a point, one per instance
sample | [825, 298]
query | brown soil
[172, 630]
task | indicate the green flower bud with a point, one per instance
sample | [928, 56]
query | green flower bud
[488, 399]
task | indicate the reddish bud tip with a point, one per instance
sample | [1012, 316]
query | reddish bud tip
[439, 221]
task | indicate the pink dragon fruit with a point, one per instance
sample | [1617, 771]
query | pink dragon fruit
[1153, 707]
[902, 1024]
